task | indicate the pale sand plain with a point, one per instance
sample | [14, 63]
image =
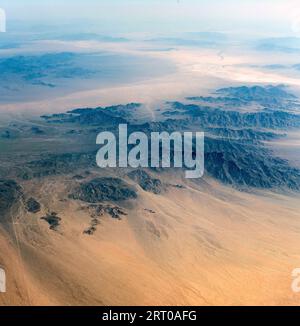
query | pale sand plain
[206, 244]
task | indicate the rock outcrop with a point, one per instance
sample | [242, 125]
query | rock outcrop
[104, 189]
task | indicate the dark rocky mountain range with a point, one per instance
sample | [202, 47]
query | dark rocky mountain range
[235, 152]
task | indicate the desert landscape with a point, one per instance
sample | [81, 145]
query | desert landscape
[81, 235]
[195, 247]
[73, 233]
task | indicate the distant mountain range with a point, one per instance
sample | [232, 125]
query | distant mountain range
[234, 149]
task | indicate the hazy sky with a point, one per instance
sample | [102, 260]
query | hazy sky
[256, 16]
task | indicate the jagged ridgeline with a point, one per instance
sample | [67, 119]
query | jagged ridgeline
[235, 152]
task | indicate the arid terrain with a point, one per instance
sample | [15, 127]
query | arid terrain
[75, 234]
[206, 245]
